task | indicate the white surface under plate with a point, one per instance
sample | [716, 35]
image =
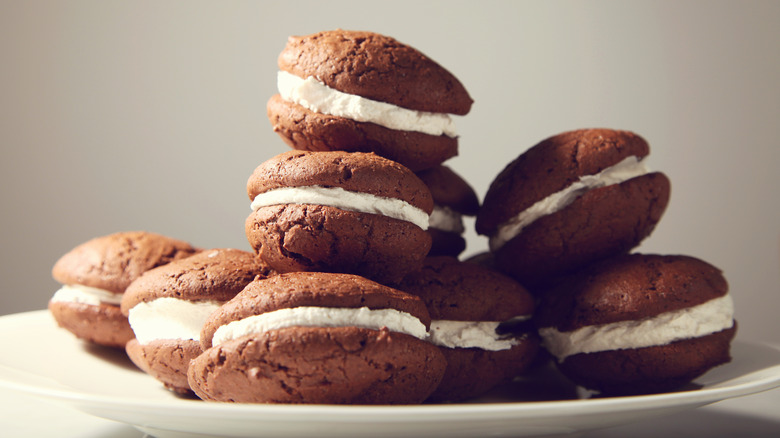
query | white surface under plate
[41, 359]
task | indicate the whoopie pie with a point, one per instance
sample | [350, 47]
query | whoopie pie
[638, 323]
[95, 274]
[167, 306]
[481, 321]
[453, 198]
[355, 213]
[312, 337]
[570, 200]
[365, 92]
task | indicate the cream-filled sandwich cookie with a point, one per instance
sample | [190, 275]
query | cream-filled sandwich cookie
[453, 199]
[94, 276]
[311, 337]
[337, 211]
[638, 323]
[365, 92]
[480, 320]
[570, 200]
[167, 307]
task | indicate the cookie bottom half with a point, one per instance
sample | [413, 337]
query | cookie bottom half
[306, 130]
[472, 372]
[103, 324]
[166, 360]
[342, 365]
[303, 237]
[601, 223]
[651, 369]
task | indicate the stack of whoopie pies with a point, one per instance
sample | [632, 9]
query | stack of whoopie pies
[354, 293]
[562, 219]
[348, 219]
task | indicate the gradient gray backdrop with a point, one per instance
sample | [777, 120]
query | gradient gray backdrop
[151, 115]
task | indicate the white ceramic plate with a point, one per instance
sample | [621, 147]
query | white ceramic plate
[41, 359]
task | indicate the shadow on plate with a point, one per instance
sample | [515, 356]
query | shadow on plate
[114, 356]
[543, 382]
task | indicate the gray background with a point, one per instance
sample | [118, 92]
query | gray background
[151, 115]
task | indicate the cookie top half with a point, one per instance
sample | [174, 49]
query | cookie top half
[312, 289]
[630, 288]
[112, 262]
[464, 291]
[552, 165]
[214, 274]
[376, 67]
[351, 171]
[450, 190]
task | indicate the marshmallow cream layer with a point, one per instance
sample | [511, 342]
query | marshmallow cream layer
[318, 97]
[469, 334]
[628, 168]
[692, 322]
[446, 219]
[310, 316]
[345, 200]
[76, 293]
[170, 318]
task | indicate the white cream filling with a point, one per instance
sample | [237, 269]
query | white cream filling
[170, 318]
[308, 316]
[318, 97]
[345, 200]
[76, 293]
[626, 169]
[471, 334]
[692, 322]
[446, 219]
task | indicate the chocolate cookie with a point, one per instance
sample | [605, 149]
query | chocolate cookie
[570, 200]
[308, 337]
[168, 305]
[96, 273]
[453, 198]
[339, 212]
[480, 321]
[638, 323]
[365, 92]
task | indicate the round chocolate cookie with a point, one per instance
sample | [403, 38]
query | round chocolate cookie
[310, 337]
[638, 323]
[365, 92]
[453, 198]
[570, 200]
[96, 273]
[339, 212]
[167, 306]
[480, 322]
